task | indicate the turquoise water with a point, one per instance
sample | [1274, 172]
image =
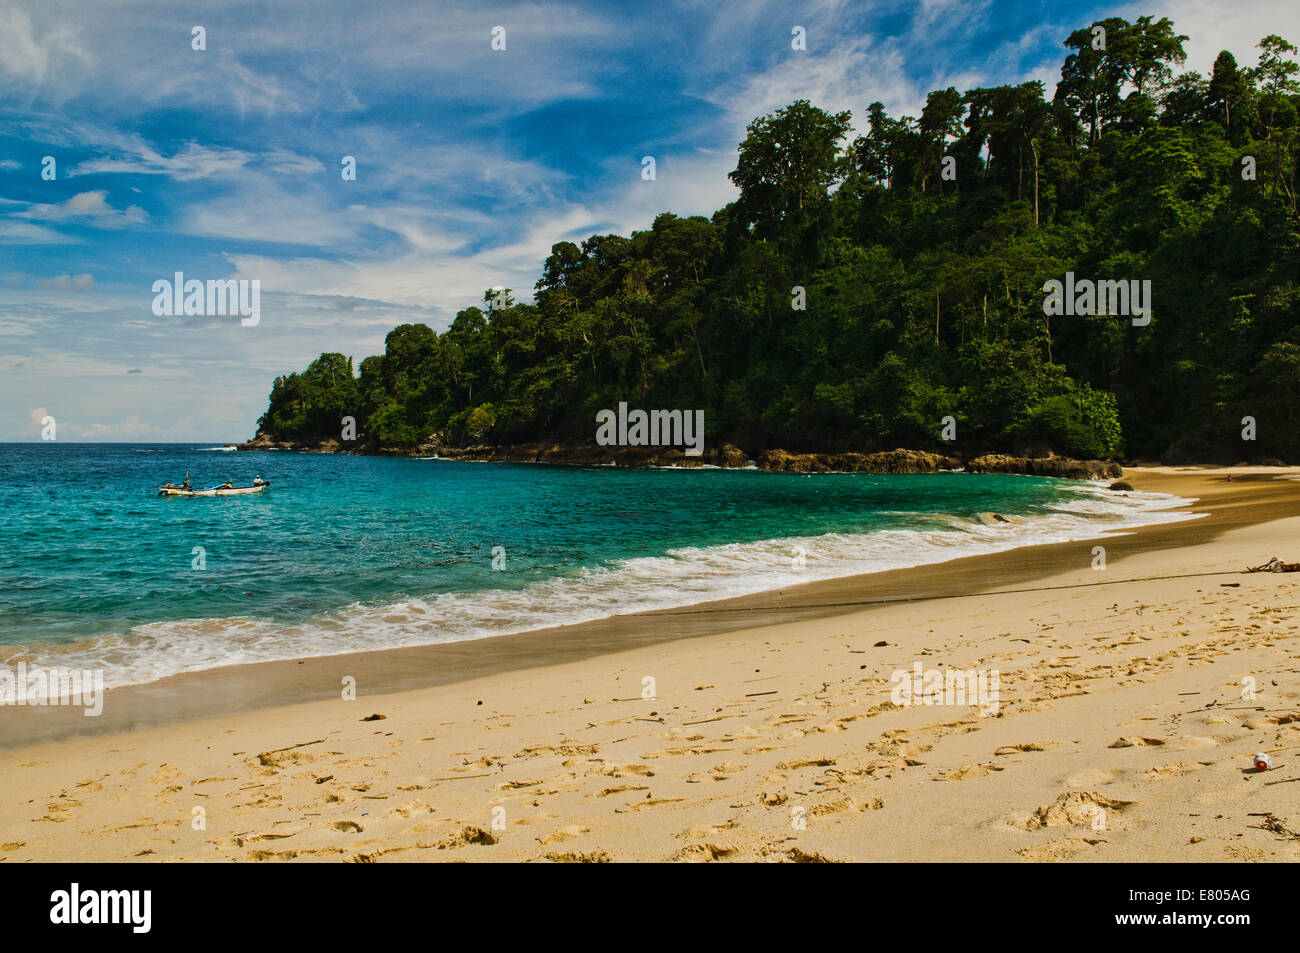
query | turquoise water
[347, 553]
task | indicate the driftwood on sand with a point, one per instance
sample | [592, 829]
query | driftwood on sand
[1275, 565]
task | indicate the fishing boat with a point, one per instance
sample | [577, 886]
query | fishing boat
[226, 489]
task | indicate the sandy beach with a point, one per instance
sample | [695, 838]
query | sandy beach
[1130, 701]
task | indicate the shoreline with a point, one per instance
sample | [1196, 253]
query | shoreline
[1257, 494]
[725, 456]
[1122, 731]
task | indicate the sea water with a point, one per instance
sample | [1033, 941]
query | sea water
[351, 553]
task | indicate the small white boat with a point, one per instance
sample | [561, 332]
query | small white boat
[171, 489]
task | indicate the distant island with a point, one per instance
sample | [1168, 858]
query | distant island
[894, 289]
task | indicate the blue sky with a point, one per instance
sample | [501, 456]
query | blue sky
[471, 162]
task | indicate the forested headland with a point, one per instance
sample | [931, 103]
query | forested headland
[919, 249]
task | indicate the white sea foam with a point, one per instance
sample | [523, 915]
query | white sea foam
[679, 578]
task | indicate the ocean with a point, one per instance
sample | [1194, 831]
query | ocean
[348, 553]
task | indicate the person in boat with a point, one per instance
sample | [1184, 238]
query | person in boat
[186, 484]
[257, 481]
[226, 486]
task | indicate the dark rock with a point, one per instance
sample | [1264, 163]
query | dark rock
[888, 461]
[1062, 467]
[1120, 485]
[261, 441]
[724, 455]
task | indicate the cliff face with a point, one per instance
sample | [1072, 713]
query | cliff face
[727, 455]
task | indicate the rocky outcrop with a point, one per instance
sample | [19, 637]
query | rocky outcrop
[264, 441]
[261, 442]
[725, 455]
[1052, 466]
[888, 461]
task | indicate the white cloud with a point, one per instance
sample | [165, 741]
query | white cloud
[264, 210]
[21, 55]
[847, 76]
[90, 208]
[25, 233]
[1213, 25]
[331, 53]
[132, 428]
[69, 282]
[19, 328]
[193, 162]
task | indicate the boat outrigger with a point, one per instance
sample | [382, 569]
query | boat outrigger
[226, 489]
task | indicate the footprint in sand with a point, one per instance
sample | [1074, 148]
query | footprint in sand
[728, 767]
[527, 819]
[595, 857]
[703, 853]
[708, 830]
[144, 823]
[1030, 746]
[686, 749]
[798, 855]
[847, 804]
[1090, 778]
[413, 809]
[564, 834]
[1135, 741]
[622, 789]
[648, 803]
[258, 838]
[279, 759]
[1062, 849]
[567, 749]
[806, 763]
[1073, 809]
[902, 748]
[58, 812]
[966, 772]
[469, 834]
[515, 785]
